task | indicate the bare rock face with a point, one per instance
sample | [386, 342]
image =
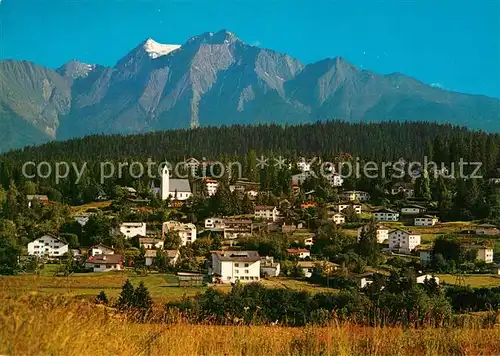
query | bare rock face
[214, 79]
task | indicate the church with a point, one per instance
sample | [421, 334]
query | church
[176, 189]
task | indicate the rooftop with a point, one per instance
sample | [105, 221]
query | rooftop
[239, 256]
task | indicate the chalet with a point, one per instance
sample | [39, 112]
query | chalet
[43, 199]
[105, 263]
[355, 195]
[211, 186]
[244, 185]
[412, 210]
[487, 229]
[407, 189]
[233, 228]
[149, 243]
[299, 252]
[385, 215]
[214, 223]
[132, 229]
[403, 241]
[47, 246]
[101, 249]
[232, 266]
[338, 218]
[425, 220]
[349, 205]
[266, 212]
[307, 267]
[268, 267]
[382, 232]
[484, 254]
[187, 232]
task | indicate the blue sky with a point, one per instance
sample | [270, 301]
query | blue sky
[453, 44]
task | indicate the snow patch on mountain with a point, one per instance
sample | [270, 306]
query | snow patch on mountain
[155, 49]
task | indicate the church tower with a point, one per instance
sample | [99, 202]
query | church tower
[165, 183]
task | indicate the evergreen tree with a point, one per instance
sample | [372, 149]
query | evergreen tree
[102, 298]
[143, 301]
[126, 300]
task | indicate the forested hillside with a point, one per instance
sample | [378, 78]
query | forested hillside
[375, 141]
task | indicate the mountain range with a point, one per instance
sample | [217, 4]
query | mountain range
[214, 79]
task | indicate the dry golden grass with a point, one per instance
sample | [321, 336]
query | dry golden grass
[94, 205]
[34, 325]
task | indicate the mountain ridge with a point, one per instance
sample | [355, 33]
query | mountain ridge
[216, 79]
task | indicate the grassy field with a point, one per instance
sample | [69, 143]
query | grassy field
[36, 325]
[474, 280]
[163, 287]
[289, 283]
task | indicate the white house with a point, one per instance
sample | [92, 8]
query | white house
[385, 215]
[382, 232]
[47, 246]
[485, 254]
[299, 252]
[266, 212]
[211, 186]
[307, 267]
[232, 266]
[132, 229]
[355, 195]
[105, 263]
[101, 249]
[403, 241]
[350, 204]
[338, 218]
[334, 179]
[408, 189]
[424, 277]
[426, 220]
[234, 228]
[150, 243]
[187, 232]
[176, 189]
[412, 210]
[268, 267]
[82, 219]
[214, 223]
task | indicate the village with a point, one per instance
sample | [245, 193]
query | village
[408, 232]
